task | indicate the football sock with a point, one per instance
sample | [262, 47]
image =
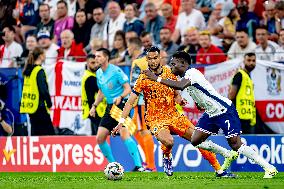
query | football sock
[211, 158]
[212, 147]
[166, 151]
[149, 150]
[251, 154]
[133, 150]
[106, 150]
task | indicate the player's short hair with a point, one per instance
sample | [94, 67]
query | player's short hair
[104, 51]
[250, 54]
[153, 49]
[183, 55]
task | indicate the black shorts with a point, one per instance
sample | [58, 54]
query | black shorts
[107, 121]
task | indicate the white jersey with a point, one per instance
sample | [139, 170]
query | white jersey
[204, 94]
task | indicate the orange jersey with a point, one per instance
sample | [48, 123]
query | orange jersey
[159, 98]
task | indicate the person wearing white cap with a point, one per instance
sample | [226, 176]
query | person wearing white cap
[48, 46]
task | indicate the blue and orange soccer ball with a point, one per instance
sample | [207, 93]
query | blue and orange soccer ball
[114, 171]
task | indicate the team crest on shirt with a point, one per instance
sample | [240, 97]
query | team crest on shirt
[155, 129]
[273, 78]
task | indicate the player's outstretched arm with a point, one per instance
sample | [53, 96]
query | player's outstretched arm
[179, 85]
[126, 110]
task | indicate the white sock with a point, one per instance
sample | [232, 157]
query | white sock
[250, 153]
[212, 147]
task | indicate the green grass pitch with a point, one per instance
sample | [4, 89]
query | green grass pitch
[180, 180]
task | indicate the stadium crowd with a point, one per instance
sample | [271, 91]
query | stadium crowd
[211, 31]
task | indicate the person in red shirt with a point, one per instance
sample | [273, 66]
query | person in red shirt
[175, 4]
[69, 49]
[171, 19]
[208, 53]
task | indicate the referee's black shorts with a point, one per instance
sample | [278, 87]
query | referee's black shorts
[107, 121]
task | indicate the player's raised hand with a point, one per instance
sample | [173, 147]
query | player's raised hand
[150, 75]
[116, 130]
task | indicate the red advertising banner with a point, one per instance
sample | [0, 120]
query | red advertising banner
[51, 154]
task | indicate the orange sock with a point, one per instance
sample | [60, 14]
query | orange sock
[166, 151]
[211, 158]
[149, 150]
[139, 139]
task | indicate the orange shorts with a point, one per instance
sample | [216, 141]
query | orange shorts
[139, 117]
[177, 124]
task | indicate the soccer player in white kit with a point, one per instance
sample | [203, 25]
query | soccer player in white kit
[219, 111]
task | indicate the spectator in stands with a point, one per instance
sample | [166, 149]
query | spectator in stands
[227, 25]
[208, 53]
[117, 55]
[176, 5]
[248, 20]
[90, 5]
[269, 19]
[279, 15]
[63, 21]
[155, 22]
[166, 42]
[31, 44]
[95, 44]
[38, 88]
[81, 28]
[241, 90]
[132, 23]
[279, 55]
[265, 49]
[164, 58]
[213, 24]
[10, 49]
[171, 19]
[69, 49]
[53, 7]
[147, 41]
[115, 23]
[191, 43]
[129, 35]
[50, 48]
[205, 6]
[100, 19]
[46, 22]
[72, 7]
[190, 17]
[113, 85]
[29, 18]
[89, 93]
[6, 120]
[241, 46]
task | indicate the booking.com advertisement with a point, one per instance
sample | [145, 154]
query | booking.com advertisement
[77, 153]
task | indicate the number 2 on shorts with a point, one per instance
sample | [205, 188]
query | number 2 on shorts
[229, 125]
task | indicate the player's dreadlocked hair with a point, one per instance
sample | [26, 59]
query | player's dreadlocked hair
[183, 55]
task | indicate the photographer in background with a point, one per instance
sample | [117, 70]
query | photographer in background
[6, 120]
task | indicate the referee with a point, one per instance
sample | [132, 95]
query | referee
[113, 85]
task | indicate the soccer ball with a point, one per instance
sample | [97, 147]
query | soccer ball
[114, 171]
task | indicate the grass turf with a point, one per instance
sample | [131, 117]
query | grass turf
[180, 180]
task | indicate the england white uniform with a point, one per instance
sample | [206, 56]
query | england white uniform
[219, 110]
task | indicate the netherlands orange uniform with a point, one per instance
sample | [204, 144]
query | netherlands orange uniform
[161, 112]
